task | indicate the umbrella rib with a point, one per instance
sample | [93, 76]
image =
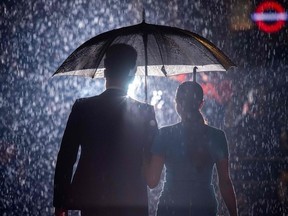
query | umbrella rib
[102, 53]
[195, 46]
[227, 63]
[157, 36]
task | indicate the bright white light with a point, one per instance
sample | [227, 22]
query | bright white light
[269, 16]
[133, 87]
[157, 99]
[81, 24]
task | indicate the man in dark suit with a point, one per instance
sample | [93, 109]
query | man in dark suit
[114, 133]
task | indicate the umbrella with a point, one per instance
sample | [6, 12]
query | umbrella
[162, 51]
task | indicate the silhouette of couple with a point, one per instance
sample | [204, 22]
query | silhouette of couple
[122, 151]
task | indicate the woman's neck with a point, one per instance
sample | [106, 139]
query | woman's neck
[192, 118]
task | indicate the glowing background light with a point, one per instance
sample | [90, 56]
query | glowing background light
[270, 16]
[134, 86]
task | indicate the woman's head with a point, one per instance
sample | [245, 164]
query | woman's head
[189, 98]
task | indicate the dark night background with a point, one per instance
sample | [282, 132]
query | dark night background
[249, 102]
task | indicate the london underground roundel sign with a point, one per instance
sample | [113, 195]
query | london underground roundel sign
[270, 16]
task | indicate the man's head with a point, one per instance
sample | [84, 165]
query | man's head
[120, 61]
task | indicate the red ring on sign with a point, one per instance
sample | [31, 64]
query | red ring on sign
[277, 25]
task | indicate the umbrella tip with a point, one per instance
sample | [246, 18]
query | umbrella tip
[194, 74]
[143, 15]
[164, 70]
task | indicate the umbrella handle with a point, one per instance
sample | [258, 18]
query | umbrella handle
[194, 74]
[143, 15]
[146, 65]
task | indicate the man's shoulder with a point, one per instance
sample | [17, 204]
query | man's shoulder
[81, 104]
[138, 104]
[135, 101]
[140, 112]
[86, 100]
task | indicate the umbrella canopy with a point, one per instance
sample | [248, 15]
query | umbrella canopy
[162, 51]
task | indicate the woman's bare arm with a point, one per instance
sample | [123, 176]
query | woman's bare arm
[226, 187]
[153, 170]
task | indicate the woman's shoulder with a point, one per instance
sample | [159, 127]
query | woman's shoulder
[216, 136]
[217, 142]
[213, 131]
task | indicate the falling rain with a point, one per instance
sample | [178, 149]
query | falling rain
[248, 102]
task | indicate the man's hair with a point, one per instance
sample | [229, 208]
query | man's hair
[119, 60]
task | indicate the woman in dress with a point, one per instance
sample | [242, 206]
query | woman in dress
[189, 150]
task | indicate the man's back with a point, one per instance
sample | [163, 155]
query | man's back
[112, 131]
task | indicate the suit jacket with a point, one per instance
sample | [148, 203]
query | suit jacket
[113, 132]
